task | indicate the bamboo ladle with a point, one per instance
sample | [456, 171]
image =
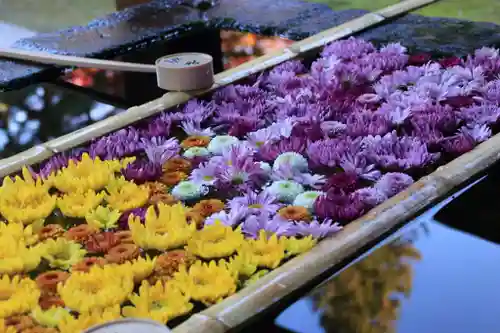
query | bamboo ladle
[176, 72]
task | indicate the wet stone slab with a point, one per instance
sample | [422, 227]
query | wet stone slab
[139, 27]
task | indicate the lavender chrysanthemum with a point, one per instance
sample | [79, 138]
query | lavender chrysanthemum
[370, 196]
[234, 217]
[255, 203]
[159, 150]
[276, 225]
[316, 229]
[269, 152]
[125, 142]
[393, 182]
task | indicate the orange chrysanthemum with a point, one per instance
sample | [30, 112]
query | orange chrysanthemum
[48, 301]
[20, 323]
[208, 207]
[295, 213]
[79, 233]
[87, 263]
[165, 198]
[173, 178]
[177, 164]
[101, 242]
[196, 218]
[195, 141]
[168, 264]
[50, 231]
[124, 237]
[156, 188]
[122, 253]
[48, 281]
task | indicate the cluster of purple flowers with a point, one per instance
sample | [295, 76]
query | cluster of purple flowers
[353, 129]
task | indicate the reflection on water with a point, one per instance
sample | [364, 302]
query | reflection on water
[431, 277]
[39, 113]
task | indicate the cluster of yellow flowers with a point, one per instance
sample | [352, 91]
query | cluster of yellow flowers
[82, 263]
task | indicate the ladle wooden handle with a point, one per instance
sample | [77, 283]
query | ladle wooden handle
[63, 60]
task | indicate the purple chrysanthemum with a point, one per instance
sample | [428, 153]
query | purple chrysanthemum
[466, 139]
[370, 196]
[276, 225]
[269, 152]
[123, 220]
[484, 114]
[348, 48]
[125, 142]
[159, 126]
[255, 203]
[342, 183]
[192, 127]
[142, 171]
[159, 150]
[315, 228]
[285, 171]
[393, 182]
[53, 164]
[234, 217]
[341, 208]
[330, 152]
[366, 123]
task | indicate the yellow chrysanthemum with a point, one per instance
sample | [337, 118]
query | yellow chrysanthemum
[50, 317]
[264, 251]
[89, 319]
[295, 246]
[102, 218]
[242, 264]
[124, 195]
[160, 302]
[84, 175]
[100, 288]
[164, 230]
[256, 277]
[141, 268]
[62, 253]
[17, 295]
[27, 235]
[24, 200]
[79, 204]
[207, 283]
[117, 165]
[215, 241]
[15, 257]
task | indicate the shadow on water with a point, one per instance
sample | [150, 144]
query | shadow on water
[437, 274]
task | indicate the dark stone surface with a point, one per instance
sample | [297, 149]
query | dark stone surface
[141, 26]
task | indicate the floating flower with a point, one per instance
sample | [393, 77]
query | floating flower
[177, 164]
[160, 302]
[89, 319]
[232, 218]
[125, 195]
[220, 143]
[87, 174]
[167, 264]
[20, 323]
[24, 200]
[50, 231]
[270, 151]
[79, 233]
[16, 257]
[370, 196]
[61, 253]
[164, 228]
[295, 213]
[208, 207]
[342, 183]
[103, 218]
[306, 199]
[48, 301]
[341, 208]
[137, 212]
[296, 246]
[98, 289]
[188, 190]
[50, 317]
[124, 236]
[196, 152]
[255, 223]
[141, 171]
[265, 251]
[19, 295]
[87, 263]
[122, 253]
[101, 242]
[194, 217]
[79, 204]
[195, 141]
[215, 241]
[285, 190]
[316, 229]
[141, 268]
[393, 182]
[48, 281]
[172, 178]
[295, 160]
[159, 150]
[207, 283]
[121, 143]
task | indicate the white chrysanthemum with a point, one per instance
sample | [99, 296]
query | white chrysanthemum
[221, 142]
[188, 190]
[196, 152]
[295, 160]
[265, 167]
[307, 199]
[285, 190]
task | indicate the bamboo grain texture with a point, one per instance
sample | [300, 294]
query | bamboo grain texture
[282, 281]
